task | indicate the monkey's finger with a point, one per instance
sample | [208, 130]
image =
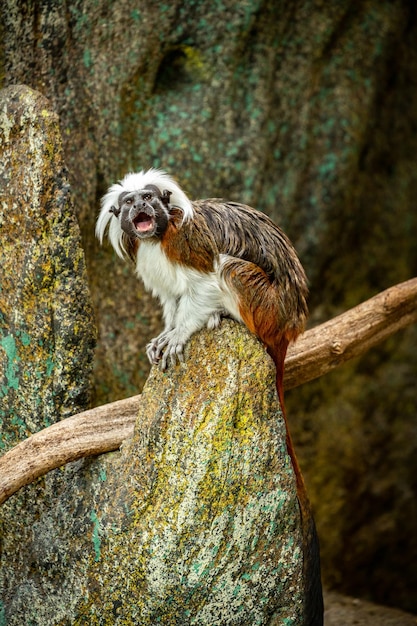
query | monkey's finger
[176, 355]
[164, 361]
[180, 353]
[151, 353]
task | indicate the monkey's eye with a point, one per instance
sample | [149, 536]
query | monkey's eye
[147, 196]
[128, 201]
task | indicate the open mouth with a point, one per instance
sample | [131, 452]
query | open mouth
[143, 222]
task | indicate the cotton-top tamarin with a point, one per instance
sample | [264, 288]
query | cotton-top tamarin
[204, 259]
[209, 258]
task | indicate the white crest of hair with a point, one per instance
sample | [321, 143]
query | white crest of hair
[135, 182]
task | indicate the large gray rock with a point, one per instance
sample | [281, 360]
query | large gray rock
[196, 521]
[201, 523]
[46, 325]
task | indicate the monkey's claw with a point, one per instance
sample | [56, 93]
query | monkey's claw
[151, 352]
[168, 346]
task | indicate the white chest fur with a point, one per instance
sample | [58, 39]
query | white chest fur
[166, 279]
[190, 299]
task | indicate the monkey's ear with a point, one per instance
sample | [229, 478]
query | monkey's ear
[165, 197]
[115, 210]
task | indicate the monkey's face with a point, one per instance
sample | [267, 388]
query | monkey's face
[143, 213]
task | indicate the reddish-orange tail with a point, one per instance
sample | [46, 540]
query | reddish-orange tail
[311, 565]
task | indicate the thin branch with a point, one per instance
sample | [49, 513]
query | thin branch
[315, 353]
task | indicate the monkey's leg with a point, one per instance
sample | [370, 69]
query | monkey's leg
[215, 319]
[256, 301]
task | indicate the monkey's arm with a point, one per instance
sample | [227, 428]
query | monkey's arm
[198, 306]
[169, 307]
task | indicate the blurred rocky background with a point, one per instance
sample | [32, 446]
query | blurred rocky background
[306, 110]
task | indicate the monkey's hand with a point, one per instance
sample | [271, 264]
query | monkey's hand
[168, 346]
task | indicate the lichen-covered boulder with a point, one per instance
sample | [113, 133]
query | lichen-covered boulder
[46, 321]
[203, 525]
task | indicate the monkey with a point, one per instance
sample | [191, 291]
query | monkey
[206, 259]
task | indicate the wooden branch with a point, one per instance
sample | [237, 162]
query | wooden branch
[351, 334]
[86, 434]
[315, 353]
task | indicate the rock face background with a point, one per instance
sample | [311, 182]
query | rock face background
[303, 109]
